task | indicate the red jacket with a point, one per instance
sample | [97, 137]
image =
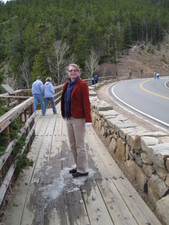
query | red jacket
[80, 104]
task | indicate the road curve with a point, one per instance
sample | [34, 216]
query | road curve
[149, 97]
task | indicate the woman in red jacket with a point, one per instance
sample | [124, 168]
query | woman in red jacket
[75, 109]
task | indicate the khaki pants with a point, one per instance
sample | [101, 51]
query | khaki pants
[76, 133]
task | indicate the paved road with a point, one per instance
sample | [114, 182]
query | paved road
[149, 97]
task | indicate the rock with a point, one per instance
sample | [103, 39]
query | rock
[156, 188]
[141, 178]
[120, 151]
[158, 152]
[162, 208]
[146, 159]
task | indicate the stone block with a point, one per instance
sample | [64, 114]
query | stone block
[148, 170]
[165, 139]
[138, 160]
[108, 114]
[113, 145]
[122, 135]
[158, 152]
[148, 141]
[167, 164]
[146, 159]
[161, 172]
[167, 180]
[130, 167]
[101, 105]
[141, 178]
[92, 93]
[127, 155]
[156, 188]
[120, 151]
[155, 134]
[134, 143]
[162, 208]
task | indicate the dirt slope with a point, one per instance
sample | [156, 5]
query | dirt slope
[140, 61]
[144, 62]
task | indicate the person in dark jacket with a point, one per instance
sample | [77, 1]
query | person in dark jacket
[75, 109]
[96, 79]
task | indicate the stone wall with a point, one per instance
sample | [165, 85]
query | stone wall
[145, 154]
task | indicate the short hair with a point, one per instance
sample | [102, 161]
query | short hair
[39, 78]
[74, 65]
[49, 79]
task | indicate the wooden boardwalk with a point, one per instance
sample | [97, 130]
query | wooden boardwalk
[46, 194]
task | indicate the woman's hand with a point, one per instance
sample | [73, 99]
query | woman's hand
[88, 124]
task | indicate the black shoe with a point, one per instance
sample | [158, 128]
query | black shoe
[77, 174]
[72, 170]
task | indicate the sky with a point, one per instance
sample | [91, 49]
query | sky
[4, 1]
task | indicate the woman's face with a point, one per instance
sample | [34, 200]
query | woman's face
[73, 73]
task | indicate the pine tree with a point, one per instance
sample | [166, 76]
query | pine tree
[40, 67]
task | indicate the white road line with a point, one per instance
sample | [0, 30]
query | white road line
[151, 117]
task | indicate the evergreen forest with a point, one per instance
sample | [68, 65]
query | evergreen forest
[41, 37]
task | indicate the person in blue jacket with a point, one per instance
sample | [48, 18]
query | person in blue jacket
[37, 92]
[48, 95]
[96, 79]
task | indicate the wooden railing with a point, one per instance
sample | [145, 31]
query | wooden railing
[24, 112]
[20, 106]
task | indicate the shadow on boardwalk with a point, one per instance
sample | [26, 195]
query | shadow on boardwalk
[46, 194]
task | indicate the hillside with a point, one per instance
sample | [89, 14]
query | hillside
[144, 62]
[39, 38]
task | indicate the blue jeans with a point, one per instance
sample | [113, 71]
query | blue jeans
[46, 104]
[38, 98]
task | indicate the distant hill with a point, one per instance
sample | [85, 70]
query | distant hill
[41, 37]
[141, 61]
[144, 63]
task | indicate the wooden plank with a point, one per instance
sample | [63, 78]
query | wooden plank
[107, 160]
[75, 208]
[6, 182]
[41, 202]
[29, 211]
[138, 207]
[51, 125]
[117, 208]
[95, 161]
[72, 210]
[56, 142]
[59, 126]
[58, 216]
[15, 206]
[18, 201]
[43, 157]
[12, 114]
[106, 201]
[8, 151]
[96, 209]
[41, 129]
[135, 203]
